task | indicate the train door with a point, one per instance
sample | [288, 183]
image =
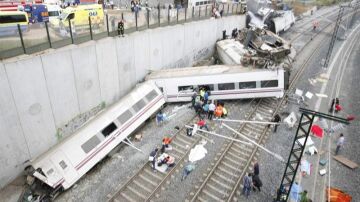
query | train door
[160, 84]
[65, 167]
[286, 79]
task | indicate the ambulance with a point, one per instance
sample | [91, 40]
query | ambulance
[79, 17]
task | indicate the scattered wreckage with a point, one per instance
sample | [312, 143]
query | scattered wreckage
[254, 46]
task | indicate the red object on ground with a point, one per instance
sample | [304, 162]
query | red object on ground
[317, 131]
[350, 117]
[336, 195]
[201, 123]
[338, 107]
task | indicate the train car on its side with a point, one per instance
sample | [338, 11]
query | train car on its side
[223, 82]
[64, 164]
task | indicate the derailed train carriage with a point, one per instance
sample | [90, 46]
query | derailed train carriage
[223, 81]
[60, 167]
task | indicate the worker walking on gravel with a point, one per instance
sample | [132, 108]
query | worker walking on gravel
[152, 158]
[187, 170]
[339, 143]
[247, 185]
[277, 120]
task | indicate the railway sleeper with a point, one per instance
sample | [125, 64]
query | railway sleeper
[229, 165]
[177, 144]
[233, 162]
[212, 196]
[236, 156]
[223, 177]
[144, 178]
[239, 151]
[246, 148]
[221, 183]
[219, 190]
[257, 128]
[142, 186]
[223, 169]
[185, 141]
[157, 175]
[136, 192]
[124, 195]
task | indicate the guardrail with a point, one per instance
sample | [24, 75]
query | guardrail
[42, 36]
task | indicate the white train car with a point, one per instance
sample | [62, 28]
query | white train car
[283, 22]
[230, 51]
[224, 82]
[67, 162]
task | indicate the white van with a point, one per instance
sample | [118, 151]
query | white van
[54, 14]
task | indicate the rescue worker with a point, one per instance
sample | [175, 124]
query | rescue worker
[276, 119]
[121, 28]
[152, 158]
[165, 143]
[218, 111]
[170, 162]
[211, 110]
[202, 93]
[225, 113]
[187, 170]
[315, 24]
[202, 124]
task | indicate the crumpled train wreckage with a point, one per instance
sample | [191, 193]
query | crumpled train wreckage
[254, 46]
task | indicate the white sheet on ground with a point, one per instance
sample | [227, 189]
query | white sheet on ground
[305, 167]
[309, 141]
[198, 152]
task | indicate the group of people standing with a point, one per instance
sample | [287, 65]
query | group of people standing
[162, 158]
[252, 181]
[205, 107]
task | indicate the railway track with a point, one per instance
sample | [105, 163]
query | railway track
[224, 179]
[145, 183]
[233, 161]
[222, 182]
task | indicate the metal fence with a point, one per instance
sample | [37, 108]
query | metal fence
[42, 36]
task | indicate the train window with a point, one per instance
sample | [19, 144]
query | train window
[109, 129]
[269, 84]
[139, 105]
[49, 172]
[63, 164]
[125, 116]
[197, 3]
[90, 144]
[150, 96]
[185, 89]
[246, 85]
[226, 86]
[209, 87]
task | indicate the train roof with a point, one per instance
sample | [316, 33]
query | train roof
[202, 71]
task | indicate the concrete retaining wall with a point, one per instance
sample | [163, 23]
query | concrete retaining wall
[41, 95]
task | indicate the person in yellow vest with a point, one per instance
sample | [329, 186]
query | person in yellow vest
[224, 113]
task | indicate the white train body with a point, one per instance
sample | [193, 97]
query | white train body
[230, 51]
[224, 82]
[283, 22]
[66, 162]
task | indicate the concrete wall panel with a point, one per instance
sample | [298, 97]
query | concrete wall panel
[31, 97]
[173, 46]
[141, 54]
[156, 51]
[126, 56]
[13, 148]
[60, 80]
[108, 70]
[86, 77]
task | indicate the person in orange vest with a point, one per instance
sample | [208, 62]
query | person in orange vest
[218, 111]
[165, 143]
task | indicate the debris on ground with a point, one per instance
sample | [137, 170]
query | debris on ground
[346, 161]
